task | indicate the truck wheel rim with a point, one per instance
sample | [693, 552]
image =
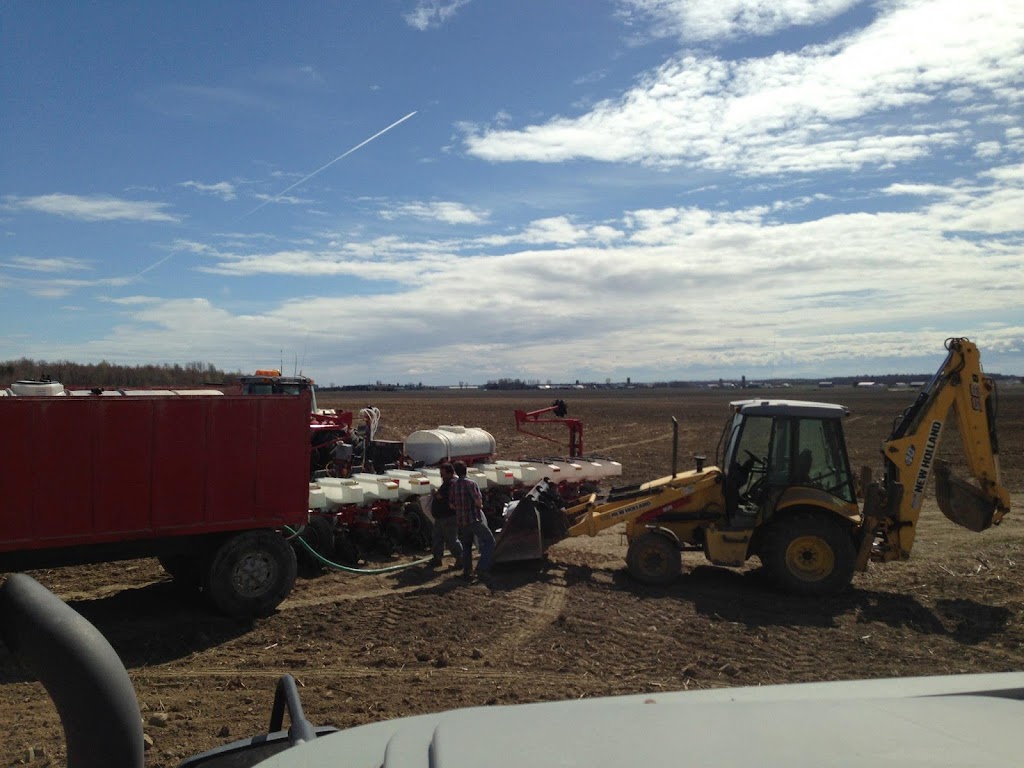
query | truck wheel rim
[253, 574]
[810, 558]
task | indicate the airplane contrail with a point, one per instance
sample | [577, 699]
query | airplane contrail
[151, 266]
[328, 165]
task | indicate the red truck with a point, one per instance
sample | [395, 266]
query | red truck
[204, 482]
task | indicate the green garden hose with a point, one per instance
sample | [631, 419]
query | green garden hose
[362, 571]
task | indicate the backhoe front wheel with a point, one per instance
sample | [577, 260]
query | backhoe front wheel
[654, 559]
[809, 554]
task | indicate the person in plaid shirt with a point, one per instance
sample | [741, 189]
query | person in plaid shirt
[446, 528]
[465, 499]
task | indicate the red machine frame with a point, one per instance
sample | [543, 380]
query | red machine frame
[559, 409]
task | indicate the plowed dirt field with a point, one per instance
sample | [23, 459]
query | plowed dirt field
[367, 648]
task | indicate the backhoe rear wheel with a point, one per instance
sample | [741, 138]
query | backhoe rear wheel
[654, 559]
[809, 554]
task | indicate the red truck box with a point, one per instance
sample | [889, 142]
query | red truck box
[93, 478]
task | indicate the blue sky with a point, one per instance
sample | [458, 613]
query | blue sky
[653, 189]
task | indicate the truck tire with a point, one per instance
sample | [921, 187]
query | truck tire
[809, 554]
[654, 559]
[251, 573]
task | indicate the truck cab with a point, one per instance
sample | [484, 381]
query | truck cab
[330, 431]
[271, 382]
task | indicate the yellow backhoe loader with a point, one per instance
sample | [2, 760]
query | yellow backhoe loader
[785, 493]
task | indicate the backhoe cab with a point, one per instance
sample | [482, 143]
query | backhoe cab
[783, 491]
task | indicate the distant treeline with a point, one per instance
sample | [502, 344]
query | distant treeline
[199, 374]
[111, 376]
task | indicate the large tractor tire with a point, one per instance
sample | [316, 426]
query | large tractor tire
[318, 533]
[251, 573]
[809, 554]
[346, 550]
[419, 531]
[654, 559]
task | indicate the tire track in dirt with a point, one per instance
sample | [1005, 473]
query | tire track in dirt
[342, 591]
[386, 676]
[540, 603]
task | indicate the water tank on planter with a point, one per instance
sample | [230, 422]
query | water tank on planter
[448, 443]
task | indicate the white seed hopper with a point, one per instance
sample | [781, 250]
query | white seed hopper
[378, 486]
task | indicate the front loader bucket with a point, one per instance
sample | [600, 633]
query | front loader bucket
[533, 525]
[962, 502]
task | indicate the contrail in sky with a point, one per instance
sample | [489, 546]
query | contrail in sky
[328, 165]
[152, 266]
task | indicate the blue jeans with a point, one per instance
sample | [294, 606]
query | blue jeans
[484, 540]
[446, 534]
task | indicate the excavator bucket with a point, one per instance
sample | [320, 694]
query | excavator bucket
[535, 523]
[962, 502]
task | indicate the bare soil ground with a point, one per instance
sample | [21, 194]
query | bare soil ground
[367, 648]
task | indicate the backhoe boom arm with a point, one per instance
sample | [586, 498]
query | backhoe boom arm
[911, 453]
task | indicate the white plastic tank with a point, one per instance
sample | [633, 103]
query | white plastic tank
[598, 469]
[339, 491]
[413, 482]
[30, 388]
[498, 475]
[448, 443]
[317, 497]
[526, 472]
[378, 486]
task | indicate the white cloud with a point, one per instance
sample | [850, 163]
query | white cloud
[225, 190]
[44, 265]
[130, 301]
[1009, 174]
[988, 150]
[283, 199]
[58, 288]
[429, 14]
[446, 212]
[564, 297]
[93, 208]
[556, 230]
[816, 109]
[712, 20]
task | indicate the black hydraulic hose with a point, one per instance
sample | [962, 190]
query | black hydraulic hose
[339, 567]
[79, 669]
